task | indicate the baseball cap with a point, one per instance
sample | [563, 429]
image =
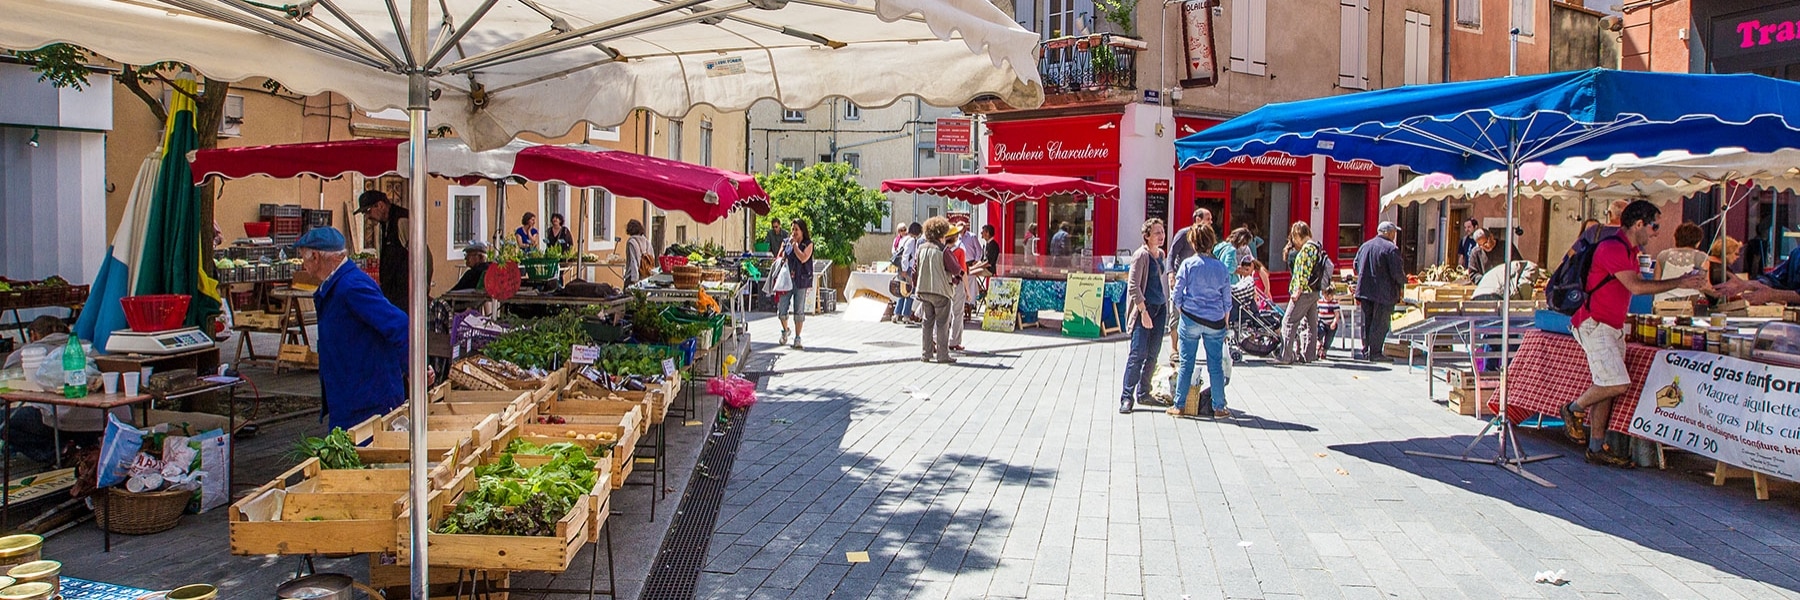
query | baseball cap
[368, 199]
[1386, 226]
[327, 239]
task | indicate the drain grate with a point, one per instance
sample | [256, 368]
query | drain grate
[683, 551]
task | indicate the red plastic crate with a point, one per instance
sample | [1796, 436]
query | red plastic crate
[283, 226]
[156, 312]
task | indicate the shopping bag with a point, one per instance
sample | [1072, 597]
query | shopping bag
[784, 282]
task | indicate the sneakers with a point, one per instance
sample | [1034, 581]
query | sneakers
[1222, 414]
[1124, 407]
[1154, 400]
[797, 345]
[784, 337]
[1604, 459]
[1574, 424]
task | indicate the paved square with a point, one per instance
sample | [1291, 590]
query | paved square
[1011, 475]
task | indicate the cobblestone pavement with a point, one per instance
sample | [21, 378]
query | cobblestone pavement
[1011, 474]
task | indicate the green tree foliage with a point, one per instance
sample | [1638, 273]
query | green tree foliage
[1120, 12]
[828, 196]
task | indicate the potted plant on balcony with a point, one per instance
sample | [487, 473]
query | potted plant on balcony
[1104, 64]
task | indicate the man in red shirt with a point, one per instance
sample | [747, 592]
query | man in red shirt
[1600, 324]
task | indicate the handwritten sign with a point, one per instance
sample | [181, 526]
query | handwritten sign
[668, 365]
[1000, 311]
[584, 355]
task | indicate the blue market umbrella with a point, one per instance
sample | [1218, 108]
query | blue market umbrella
[1465, 129]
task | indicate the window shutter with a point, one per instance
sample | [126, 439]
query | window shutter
[1353, 51]
[1362, 44]
[1421, 48]
[1240, 35]
[1259, 36]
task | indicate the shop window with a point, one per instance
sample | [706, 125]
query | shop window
[468, 217]
[1024, 218]
[1353, 224]
[1210, 195]
[1075, 215]
[1418, 48]
[1262, 206]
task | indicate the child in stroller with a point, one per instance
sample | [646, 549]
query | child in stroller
[1256, 317]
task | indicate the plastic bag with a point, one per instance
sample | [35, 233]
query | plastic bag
[213, 470]
[119, 448]
[736, 391]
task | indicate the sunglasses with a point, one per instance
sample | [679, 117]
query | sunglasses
[1654, 226]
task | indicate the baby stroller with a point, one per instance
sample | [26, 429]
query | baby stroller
[1255, 321]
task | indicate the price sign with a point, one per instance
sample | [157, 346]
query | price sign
[668, 367]
[584, 355]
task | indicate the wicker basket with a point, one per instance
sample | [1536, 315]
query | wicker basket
[714, 275]
[140, 513]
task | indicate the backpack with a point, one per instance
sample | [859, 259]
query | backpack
[1321, 276]
[1568, 291]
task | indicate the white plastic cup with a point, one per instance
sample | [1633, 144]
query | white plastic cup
[131, 384]
[110, 381]
[144, 373]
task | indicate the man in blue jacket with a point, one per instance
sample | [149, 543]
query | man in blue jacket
[362, 336]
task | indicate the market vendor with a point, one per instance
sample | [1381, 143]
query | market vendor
[475, 258]
[33, 428]
[362, 336]
[1780, 284]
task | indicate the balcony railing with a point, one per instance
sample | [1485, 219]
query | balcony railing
[1090, 62]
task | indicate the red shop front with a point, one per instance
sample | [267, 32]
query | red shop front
[1269, 193]
[1086, 147]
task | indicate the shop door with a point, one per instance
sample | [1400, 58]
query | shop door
[1351, 215]
[1263, 207]
[1453, 235]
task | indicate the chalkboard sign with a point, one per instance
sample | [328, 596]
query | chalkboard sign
[1156, 199]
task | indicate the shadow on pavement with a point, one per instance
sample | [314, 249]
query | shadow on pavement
[1668, 511]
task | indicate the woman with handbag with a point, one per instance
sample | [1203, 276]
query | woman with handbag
[795, 259]
[639, 262]
[933, 293]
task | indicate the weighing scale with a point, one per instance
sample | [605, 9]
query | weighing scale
[158, 342]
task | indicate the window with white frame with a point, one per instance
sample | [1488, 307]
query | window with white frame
[854, 159]
[793, 116]
[706, 143]
[1524, 16]
[468, 218]
[794, 163]
[1468, 13]
[852, 112]
[602, 206]
[603, 134]
[1250, 36]
[553, 200]
[1353, 49]
[674, 140]
[1418, 48]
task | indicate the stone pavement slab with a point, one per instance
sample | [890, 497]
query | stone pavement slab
[1010, 474]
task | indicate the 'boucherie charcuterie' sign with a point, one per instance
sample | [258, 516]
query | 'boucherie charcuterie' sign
[1758, 39]
[1085, 139]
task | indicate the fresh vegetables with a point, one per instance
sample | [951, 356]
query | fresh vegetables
[631, 359]
[334, 451]
[539, 343]
[510, 499]
[650, 325]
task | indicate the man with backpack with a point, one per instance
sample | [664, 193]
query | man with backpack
[1595, 286]
[1311, 271]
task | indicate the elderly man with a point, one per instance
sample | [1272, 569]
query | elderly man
[475, 258]
[1380, 280]
[362, 336]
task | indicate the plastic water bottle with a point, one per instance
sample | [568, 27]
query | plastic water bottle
[74, 362]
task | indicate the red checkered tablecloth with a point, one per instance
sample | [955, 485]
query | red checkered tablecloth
[1550, 370]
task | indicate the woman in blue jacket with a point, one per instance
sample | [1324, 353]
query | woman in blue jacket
[362, 337]
[1202, 293]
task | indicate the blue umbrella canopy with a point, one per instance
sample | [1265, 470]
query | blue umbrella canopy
[1468, 128]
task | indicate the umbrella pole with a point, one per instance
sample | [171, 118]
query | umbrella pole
[1508, 456]
[419, 96]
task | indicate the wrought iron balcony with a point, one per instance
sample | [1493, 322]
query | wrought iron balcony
[1088, 63]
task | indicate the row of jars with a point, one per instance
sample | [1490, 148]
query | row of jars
[1685, 333]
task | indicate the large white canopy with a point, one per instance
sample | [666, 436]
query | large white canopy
[508, 66]
[1779, 170]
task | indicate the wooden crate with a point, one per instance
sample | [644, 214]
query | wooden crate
[613, 410]
[311, 510]
[298, 354]
[1674, 308]
[381, 446]
[1465, 400]
[255, 319]
[551, 553]
[622, 449]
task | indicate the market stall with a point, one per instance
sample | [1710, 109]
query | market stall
[1043, 277]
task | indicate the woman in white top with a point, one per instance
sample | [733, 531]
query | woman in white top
[1685, 257]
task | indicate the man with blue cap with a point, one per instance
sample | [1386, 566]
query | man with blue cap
[362, 336]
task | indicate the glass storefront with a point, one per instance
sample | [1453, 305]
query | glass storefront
[1263, 207]
[1024, 217]
[1075, 215]
[1353, 227]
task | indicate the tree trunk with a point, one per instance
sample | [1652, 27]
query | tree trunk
[209, 115]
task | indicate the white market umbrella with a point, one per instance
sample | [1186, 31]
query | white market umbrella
[1779, 170]
[495, 69]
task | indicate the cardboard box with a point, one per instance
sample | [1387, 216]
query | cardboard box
[1463, 400]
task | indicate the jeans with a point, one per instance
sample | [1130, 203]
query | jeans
[1146, 345]
[792, 301]
[1300, 328]
[903, 307]
[1377, 320]
[1192, 334]
[934, 311]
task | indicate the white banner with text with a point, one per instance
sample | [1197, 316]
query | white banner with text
[1741, 412]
